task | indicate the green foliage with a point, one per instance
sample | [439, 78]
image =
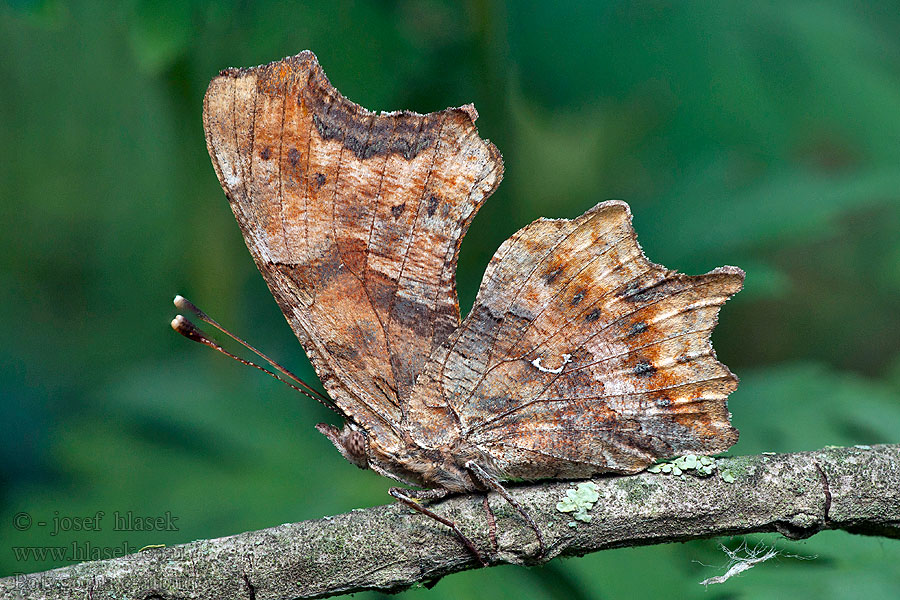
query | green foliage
[761, 134]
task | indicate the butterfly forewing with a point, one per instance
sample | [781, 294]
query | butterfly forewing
[353, 218]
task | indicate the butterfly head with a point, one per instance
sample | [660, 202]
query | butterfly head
[350, 442]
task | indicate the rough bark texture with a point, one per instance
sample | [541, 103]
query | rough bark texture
[390, 547]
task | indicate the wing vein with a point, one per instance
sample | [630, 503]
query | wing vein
[494, 420]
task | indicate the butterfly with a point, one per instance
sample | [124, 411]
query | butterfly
[579, 356]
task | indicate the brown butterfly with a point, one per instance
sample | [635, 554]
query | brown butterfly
[579, 356]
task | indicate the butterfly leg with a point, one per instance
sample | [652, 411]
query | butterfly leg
[492, 523]
[486, 479]
[408, 497]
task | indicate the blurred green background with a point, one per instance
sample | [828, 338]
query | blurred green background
[760, 134]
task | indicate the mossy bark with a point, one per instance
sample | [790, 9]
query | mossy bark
[390, 547]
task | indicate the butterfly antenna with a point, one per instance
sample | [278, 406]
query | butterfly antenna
[183, 303]
[186, 328]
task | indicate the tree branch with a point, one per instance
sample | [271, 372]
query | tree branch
[390, 547]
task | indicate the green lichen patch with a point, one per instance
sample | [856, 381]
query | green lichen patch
[636, 489]
[737, 466]
[579, 501]
[701, 466]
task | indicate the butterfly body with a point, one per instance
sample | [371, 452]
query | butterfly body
[579, 356]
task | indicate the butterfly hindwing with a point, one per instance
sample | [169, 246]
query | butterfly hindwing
[581, 356]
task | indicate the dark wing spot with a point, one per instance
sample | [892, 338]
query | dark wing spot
[637, 329]
[577, 298]
[362, 336]
[593, 315]
[413, 315]
[363, 133]
[550, 277]
[633, 292]
[398, 210]
[294, 157]
[644, 369]
[320, 180]
[432, 205]
[343, 351]
[520, 312]
[265, 153]
[357, 146]
[493, 405]
[328, 129]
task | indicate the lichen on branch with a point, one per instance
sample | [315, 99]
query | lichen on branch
[391, 547]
